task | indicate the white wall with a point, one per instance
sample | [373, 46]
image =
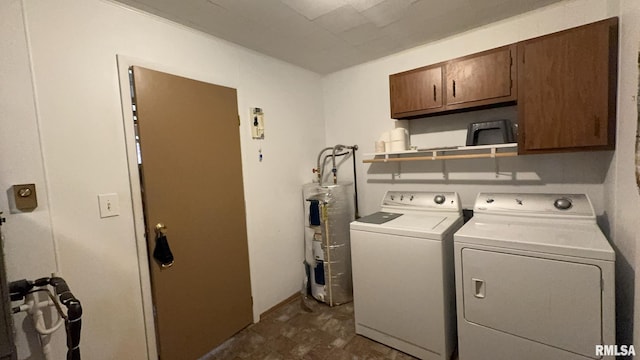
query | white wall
[357, 111]
[28, 241]
[73, 48]
[621, 188]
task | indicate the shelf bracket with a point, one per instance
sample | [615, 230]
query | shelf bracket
[434, 156]
[398, 173]
[495, 162]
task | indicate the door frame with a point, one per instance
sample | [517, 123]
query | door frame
[124, 62]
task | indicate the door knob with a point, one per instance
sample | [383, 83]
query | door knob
[161, 228]
[162, 251]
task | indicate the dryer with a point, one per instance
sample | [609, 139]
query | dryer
[403, 275]
[534, 279]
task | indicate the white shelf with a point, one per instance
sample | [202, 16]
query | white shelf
[447, 153]
[392, 153]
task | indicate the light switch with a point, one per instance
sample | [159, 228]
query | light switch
[109, 205]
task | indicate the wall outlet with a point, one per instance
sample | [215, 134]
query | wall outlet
[109, 205]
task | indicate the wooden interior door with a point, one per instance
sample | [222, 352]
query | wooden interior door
[192, 182]
[568, 89]
[481, 79]
[416, 91]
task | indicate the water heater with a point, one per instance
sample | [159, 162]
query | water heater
[328, 211]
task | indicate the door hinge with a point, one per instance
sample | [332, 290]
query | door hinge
[238, 119]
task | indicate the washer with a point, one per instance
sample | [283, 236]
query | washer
[534, 279]
[403, 273]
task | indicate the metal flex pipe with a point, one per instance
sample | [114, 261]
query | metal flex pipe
[320, 168]
[339, 147]
[334, 169]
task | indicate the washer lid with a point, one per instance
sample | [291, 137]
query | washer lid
[379, 217]
[428, 226]
[553, 237]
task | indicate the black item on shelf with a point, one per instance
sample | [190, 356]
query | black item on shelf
[490, 132]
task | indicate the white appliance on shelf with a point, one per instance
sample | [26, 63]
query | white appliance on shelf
[534, 279]
[403, 273]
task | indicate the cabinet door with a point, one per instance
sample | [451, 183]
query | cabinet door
[567, 96]
[481, 79]
[416, 92]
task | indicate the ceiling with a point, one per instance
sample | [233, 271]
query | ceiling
[329, 35]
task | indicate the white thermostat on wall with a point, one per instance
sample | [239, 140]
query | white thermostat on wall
[257, 123]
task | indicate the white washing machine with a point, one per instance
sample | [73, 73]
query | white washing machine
[534, 279]
[403, 274]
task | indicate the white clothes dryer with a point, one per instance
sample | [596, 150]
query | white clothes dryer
[534, 279]
[403, 274]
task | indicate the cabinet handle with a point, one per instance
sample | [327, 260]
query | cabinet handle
[454, 88]
[596, 126]
[434, 93]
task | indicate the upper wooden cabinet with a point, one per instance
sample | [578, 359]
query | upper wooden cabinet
[416, 92]
[481, 79]
[567, 97]
[564, 85]
[476, 80]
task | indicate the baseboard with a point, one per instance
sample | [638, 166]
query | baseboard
[281, 304]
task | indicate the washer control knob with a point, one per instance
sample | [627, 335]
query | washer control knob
[562, 204]
[439, 199]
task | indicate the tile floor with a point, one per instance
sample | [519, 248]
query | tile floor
[290, 332]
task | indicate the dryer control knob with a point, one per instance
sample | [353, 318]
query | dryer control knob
[563, 204]
[439, 199]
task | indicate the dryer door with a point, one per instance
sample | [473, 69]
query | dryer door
[553, 302]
